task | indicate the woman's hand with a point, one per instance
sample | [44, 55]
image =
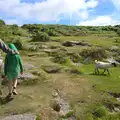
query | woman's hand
[21, 73]
[16, 52]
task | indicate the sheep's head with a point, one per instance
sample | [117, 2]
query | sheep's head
[114, 64]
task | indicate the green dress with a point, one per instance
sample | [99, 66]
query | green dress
[13, 64]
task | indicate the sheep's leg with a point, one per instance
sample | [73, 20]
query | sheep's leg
[98, 71]
[108, 72]
[95, 70]
[103, 71]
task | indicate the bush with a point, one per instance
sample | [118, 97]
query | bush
[100, 112]
[59, 57]
[18, 43]
[52, 33]
[41, 36]
[118, 32]
[2, 22]
[95, 53]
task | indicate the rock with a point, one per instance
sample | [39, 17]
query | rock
[47, 51]
[4, 82]
[36, 73]
[27, 76]
[20, 117]
[75, 71]
[51, 69]
[116, 109]
[55, 94]
[114, 48]
[43, 47]
[118, 99]
[87, 59]
[70, 43]
[73, 43]
[28, 66]
[55, 104]
[36, 54]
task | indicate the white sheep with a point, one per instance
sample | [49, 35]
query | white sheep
[103, 65]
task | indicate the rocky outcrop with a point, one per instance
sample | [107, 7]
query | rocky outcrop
[74, 43]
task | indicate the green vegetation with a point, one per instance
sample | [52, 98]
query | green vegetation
[67, 69]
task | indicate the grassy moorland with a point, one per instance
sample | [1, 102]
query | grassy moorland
[62, 68]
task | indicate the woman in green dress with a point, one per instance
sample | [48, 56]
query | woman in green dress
[12, 69]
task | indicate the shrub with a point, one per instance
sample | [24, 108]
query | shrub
[118, 32]
[52, 33]
[2, 22]
[95, 53]
[100, 112]
[19, 44]
[59, 57]
[41, 36]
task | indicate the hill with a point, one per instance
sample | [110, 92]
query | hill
[59, 81]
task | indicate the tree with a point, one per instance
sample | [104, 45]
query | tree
[118, 31]
[2, 22]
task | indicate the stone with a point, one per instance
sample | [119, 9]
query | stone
[55, 104]
[55, 94]
[114, 48]
[87, 59]
[20, 117]
[116, 109]
[27, 76]
[4, 82]
[74, 43]
[51, 69]
[36, 73]
[118, 99]
[28, 66]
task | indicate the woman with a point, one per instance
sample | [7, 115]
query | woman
[12, 68]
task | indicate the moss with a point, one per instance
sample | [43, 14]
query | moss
[100, 112]
[38, 117]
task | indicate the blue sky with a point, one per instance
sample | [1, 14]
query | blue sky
[70, 12]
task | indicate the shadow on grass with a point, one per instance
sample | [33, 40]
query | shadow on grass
[5, 100]
[99, 74]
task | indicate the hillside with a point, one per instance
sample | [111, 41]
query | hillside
[59, 81]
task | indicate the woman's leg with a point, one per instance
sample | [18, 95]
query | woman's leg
[14, 86]
[15, 82]
[10, 88]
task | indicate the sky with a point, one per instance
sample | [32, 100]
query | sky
[69, 12]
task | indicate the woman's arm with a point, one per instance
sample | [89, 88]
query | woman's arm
[21, 65]
[6, 49]
[5, 65]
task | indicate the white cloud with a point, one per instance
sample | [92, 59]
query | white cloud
[116, 3]
[100, 21]
[49, 10]
[92, 3]
[13, 21]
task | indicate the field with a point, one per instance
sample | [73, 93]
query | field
[62, 70]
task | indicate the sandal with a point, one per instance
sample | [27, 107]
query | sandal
[14, 91]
